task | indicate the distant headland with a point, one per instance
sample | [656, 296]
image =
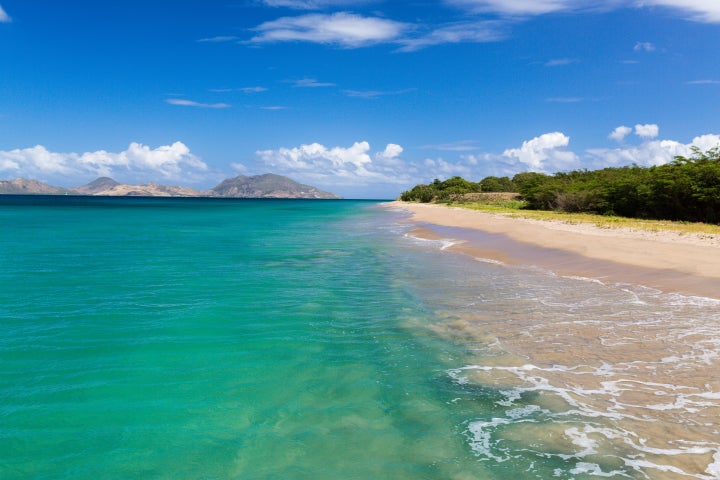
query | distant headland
[256, 186]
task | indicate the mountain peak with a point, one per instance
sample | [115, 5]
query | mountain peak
[268, 185]
[96, 186]
[23, 186]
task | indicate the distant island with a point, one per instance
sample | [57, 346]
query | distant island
[257, 186]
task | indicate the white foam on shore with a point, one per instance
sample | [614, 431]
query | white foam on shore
[489, 260]
[585, 405]
[595, 470]
[622, 376]
[714, 468]
[442, 244]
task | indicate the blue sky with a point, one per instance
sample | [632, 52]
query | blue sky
[364, 98]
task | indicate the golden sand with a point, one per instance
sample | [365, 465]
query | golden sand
[670, 261]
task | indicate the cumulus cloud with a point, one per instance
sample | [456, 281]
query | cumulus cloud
[705, 142]
[339, 165]
[647, 131]
[190, 103]
[4, 17]
[654, 152]
[347, 30]
[620, 133]
[391, 152]
[174, 162]
[356, 168]
[546, 153]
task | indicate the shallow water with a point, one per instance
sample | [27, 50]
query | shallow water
[615, 380]
[186, 338]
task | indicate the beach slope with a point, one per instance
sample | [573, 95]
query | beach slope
[686, 263]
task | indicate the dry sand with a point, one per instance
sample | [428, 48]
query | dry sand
[669, 261]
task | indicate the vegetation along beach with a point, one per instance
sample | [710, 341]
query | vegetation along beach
[360, 239]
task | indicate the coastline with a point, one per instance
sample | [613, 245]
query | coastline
[668, 261]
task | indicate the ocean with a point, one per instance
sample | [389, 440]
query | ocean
[152, 338]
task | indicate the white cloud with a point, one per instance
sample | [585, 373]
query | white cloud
[339, 165]
[219, 39]
[190, 103]
[546, 153]
[344, 29]
[351, 30]
[310, 4]
[459, 146]
[654, 152]
[138, 161]
[463, 32]
[703, 82]
[239, 167]
[311, 83]
[644, 47]
[706, 142]
[391, 152]
[699, 10]
[620, 133]
[375, 93]
[4, 17]
[514, 7]
[357, 169]
[442, 169]
[37, 159]
[564, 100]
[647, 131]
[253, 89]
[560, 62]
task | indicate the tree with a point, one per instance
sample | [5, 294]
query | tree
[497, 184]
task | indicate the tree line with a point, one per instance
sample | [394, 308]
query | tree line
[686, 189]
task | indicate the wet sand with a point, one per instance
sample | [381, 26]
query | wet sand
[671, 262]
[621, 388]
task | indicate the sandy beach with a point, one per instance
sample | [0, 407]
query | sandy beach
[683, 263]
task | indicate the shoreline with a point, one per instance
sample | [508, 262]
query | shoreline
[668, 261]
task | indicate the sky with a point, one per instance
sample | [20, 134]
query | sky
[364, 98]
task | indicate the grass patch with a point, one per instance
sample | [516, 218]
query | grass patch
[513, 207]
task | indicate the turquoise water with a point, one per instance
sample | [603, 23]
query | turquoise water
[288, 339]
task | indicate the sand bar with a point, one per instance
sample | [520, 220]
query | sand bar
[684, 263]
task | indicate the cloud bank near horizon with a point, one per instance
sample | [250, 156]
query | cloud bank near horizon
[355, 168]
[548, 153]
[168, 163]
